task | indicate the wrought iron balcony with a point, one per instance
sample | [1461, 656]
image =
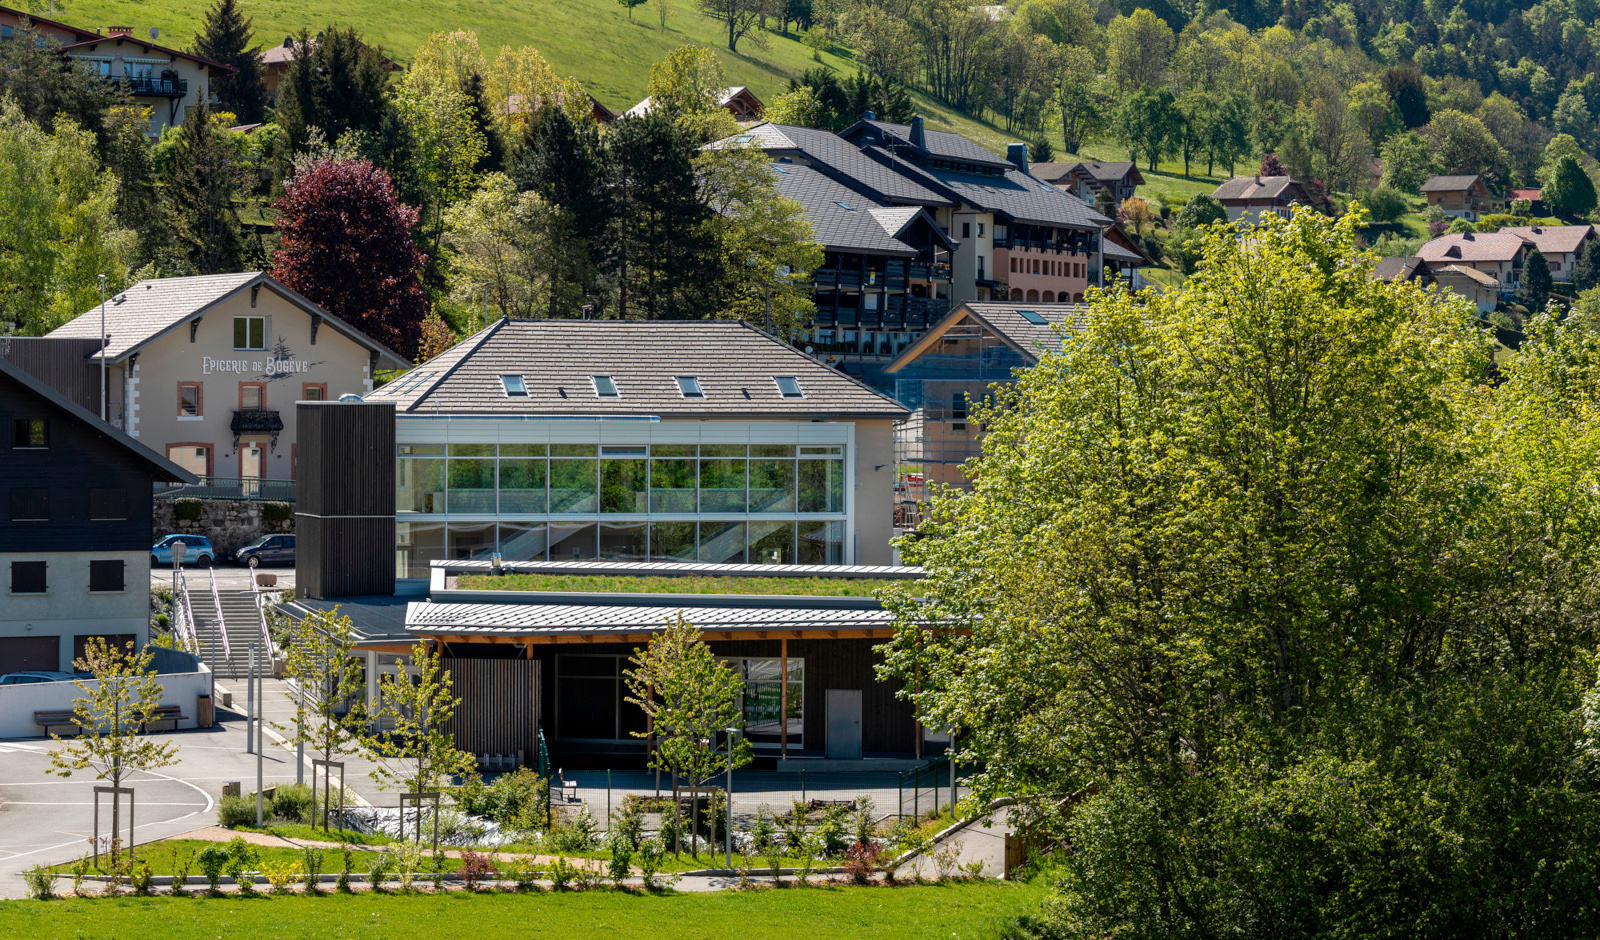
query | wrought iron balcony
[151, 86]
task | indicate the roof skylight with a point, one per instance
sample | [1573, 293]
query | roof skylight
[515, 388]
[788, 386]
[1032, 316]
[604, 386]
[689, 386]
[845, 207]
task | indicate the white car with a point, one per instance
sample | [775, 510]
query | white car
[28, 678]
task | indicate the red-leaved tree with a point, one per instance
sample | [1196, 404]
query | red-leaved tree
[1271, 166]
[345, 242]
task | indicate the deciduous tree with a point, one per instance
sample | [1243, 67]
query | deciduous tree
[1085, 107]
[330, 704]
[345, 242]
[416, 703]
[1137, 49]
[1460, 144]
[1406, 162]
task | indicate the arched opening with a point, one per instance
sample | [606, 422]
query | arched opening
[1033, 296]
[1077, 298]
[1049, 296]
[1016, 293]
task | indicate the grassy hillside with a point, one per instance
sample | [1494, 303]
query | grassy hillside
[591, 40]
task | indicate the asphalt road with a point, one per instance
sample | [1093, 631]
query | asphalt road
[229, 577]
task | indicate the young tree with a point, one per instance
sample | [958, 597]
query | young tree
[120, 697]
[660, 263]
[225, 37]
[417, 703]
[630, 4]
[336, 83]
[199, 185]
[1201, 209]
[58, 224]
[531, 89]
[764, 241]
[330, 706]
[345, 242]
[1570, 191]
[740, 16]
[800, 108]
[688, 84]
[690, 699]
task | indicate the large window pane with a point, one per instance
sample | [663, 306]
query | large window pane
[417, 544]
[419, 485]
[771, 543]
[821, 543]
[821, 486]
[622, 485]
[722, 479]
[672, 484]
[588, 692]
[722, 542]
[762, 699]
[572, 542]
[672, 541]
[471, 541]
[772, 485]
[471, 484]
[623, 541]
[522, 482]
[572, 485]
[523, 541]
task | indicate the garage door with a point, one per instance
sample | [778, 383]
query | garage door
[29, 653]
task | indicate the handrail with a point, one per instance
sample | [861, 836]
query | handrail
[211, 487]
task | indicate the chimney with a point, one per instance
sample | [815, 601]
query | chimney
[1467, 237]
[918, 139]
[868, 116]
[1017, 153]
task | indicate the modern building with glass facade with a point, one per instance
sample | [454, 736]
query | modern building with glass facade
[570, 440]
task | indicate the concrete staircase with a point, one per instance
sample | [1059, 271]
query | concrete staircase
[239, 621]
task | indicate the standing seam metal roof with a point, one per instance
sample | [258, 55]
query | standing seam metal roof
[598, 619]
[845, 160]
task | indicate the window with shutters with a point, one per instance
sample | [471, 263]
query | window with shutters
[105, 575]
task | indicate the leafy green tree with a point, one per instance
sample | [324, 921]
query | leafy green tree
[225, 37]
[1146, 121]
[562, 161]
[1385, 204]
[330, 706]
[1084, 106]
[764, 241]
[1201, 209]
[1460, 144]
[335, 83]
[1572, 115]
[1228, 133]
[816, 39]
[417, 703]
[688, 84]
[501, 256]
[1254, 605]
[119, 698]
[799, 108]
[1562, 145]
[883, 43]
[660, 258]
[1570, 191]
[1137, 50]
[689, 698]
[47, 87]
[200, 185]
[1406, 162]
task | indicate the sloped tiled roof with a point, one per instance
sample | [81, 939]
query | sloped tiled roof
[1005, 320]
[943, 144]
[735, 363]
[723, 97]
[1471, 274]
[855, 228]
[1256, 187]
[1015, 194]
[1552, 239]
[843, 158]
[1398, 268]
[150, 309]
[1106, 171]
[1470, 246]
[1448, 184]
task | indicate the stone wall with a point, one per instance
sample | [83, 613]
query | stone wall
[228, 523]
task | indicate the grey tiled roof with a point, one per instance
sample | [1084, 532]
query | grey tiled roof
[1115, 252]
[1018, 195]
[944, 144]
[844, 159]
[1006, 319]
[1256, 187]
[834, 226]
[150, 309]
[599, 619]
[735, 363]
[1398, 268]
[1448, 184]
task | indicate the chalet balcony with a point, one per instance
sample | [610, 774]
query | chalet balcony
[151, 86]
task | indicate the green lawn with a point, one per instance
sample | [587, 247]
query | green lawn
[591, 40]
[963, 912]
[834, 587]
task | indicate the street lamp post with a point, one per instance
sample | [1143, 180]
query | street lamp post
[727, 827]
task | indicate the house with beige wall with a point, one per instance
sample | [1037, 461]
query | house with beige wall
[615, 440]
[1561, 245]
[1500, 255]
[206, 370]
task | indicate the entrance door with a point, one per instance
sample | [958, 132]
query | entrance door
[844, 724]
[30, 654]
[250, 469]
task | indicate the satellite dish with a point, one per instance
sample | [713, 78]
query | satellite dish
[154, 33]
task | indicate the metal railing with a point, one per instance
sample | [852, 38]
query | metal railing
[151, 85]
[250, 488]
[932, 787]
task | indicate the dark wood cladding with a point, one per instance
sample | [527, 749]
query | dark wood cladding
[59, 362]
[888, 724]
[499, 710]
[344, 499]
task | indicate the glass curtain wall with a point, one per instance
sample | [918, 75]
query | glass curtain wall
[535, 491]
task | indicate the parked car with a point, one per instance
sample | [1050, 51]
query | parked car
[28, 678]
[274, 550]
[197, 551]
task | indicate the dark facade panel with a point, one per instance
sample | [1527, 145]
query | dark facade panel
[59, 362]
[344, 504]
[499, 710]
[344, 557]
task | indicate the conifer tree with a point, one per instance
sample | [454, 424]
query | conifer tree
[202, 176]
[336, 83]
[225, 38]
[560, 160]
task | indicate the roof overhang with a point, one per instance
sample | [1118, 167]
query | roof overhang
[938, 330]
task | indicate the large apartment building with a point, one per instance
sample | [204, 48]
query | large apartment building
[997, 232]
